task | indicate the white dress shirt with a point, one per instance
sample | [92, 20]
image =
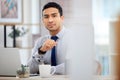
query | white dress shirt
[60, 53]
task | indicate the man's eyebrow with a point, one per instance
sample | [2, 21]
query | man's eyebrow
[54, 13]
[51, 14]
[45, 15]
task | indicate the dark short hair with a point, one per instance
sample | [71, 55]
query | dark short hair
[54, 5]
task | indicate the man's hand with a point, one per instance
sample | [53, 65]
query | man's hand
[48, 44]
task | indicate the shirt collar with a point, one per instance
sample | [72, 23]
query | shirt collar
[61, 33]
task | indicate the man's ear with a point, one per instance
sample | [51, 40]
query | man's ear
[42, 19]
[62, 17]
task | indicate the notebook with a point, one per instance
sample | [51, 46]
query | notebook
[9, 61]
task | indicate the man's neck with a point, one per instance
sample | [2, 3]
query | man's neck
[53, 33]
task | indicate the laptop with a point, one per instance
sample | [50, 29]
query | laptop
[9, 61]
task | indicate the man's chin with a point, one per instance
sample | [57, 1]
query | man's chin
[52, 30]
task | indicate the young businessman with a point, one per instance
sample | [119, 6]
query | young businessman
[52, 16]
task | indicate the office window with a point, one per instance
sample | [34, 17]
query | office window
[104, 12]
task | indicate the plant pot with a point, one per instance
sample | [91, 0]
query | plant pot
[23, 74]
[19, 42]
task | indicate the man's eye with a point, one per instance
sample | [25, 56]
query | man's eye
[54, 15]
[45, 16]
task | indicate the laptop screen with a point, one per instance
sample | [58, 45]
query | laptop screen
[9, 61]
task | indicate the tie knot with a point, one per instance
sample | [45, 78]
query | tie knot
[54, 38]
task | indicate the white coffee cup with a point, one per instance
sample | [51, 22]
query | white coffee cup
[46, 70]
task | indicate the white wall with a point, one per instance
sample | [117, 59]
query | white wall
[1, 36]
[81, 47]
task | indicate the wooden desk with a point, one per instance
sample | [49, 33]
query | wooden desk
[58, 77]
[55, 77]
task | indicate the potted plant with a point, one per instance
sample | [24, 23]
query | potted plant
[19, 32]
[23, 72]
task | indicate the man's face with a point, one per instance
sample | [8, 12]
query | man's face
[52, 19]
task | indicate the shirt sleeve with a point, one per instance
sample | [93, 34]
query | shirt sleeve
[60, 69]
[34, 60]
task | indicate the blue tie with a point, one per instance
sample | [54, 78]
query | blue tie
[53, 53]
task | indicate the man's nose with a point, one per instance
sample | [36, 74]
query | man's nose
[50, 19]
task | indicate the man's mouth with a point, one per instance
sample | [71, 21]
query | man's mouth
[50, 25]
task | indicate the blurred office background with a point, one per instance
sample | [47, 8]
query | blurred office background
[103, 15]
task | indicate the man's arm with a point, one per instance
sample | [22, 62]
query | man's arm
[60, 69]
[34, 60]
[33, 65]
